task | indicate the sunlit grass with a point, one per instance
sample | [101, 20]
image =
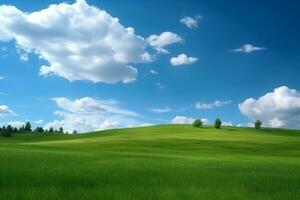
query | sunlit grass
[159, 162]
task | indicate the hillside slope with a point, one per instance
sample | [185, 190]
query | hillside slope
[159, 162]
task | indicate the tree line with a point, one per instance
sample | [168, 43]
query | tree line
[8, 130]
[218, 123]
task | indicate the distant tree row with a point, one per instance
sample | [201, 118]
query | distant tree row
[199, 123]
[7, 131]
[218, 123]
[50, 130]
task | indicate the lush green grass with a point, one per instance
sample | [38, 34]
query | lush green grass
[160, 162]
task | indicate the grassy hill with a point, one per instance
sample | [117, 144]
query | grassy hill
[160, 162]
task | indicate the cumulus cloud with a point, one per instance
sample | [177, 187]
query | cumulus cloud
[16, 124]
[79, 41]
[217, 103]
[159, 42]
[205, 121]
[248, 48]
[182, 120]
[89, 114]
[160, 110]
[24, 57]
[183, 59]
[249, 124]
[40, 121]
[227, 124]
[191, 22]
[4, 110]
[187, 120]
[280, 108]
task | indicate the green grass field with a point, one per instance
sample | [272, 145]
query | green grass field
[160, 162]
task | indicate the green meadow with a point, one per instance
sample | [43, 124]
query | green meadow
[166, 162]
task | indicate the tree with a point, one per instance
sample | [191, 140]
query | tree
[39, 130]
[61, 130]
[74, 132]
[198, 123]
[258, 124]
[27, 127]
[22, 129]
[9, 128]
[7, 131]
[51, 130]
[218, 123]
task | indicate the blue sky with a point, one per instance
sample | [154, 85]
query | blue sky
[230, 52]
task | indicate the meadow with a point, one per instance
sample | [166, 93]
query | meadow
[166, 162]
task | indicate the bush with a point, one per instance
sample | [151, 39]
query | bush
[198, 123]
[218, 123]
[258, 124]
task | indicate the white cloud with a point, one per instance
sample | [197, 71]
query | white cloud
[182, 120]
[249, 124]
[191, 22]
[40, 121]
[16, 124]
[24, 57]
[187, 120]
[88, 114]
[4, 110]
[280, 108]
[205, 121]
[218, 103]
[163, 40]
[89, 105]
[153, 72]
[183, 59]
[248, 48]
[160, 110]
[227, 124]
[79, 41]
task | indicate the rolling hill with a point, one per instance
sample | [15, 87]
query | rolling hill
[159, 162]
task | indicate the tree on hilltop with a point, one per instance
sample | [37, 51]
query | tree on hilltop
[198, 123]
[218, 123]
[27, 127]
[51, 130]
[257, 124]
